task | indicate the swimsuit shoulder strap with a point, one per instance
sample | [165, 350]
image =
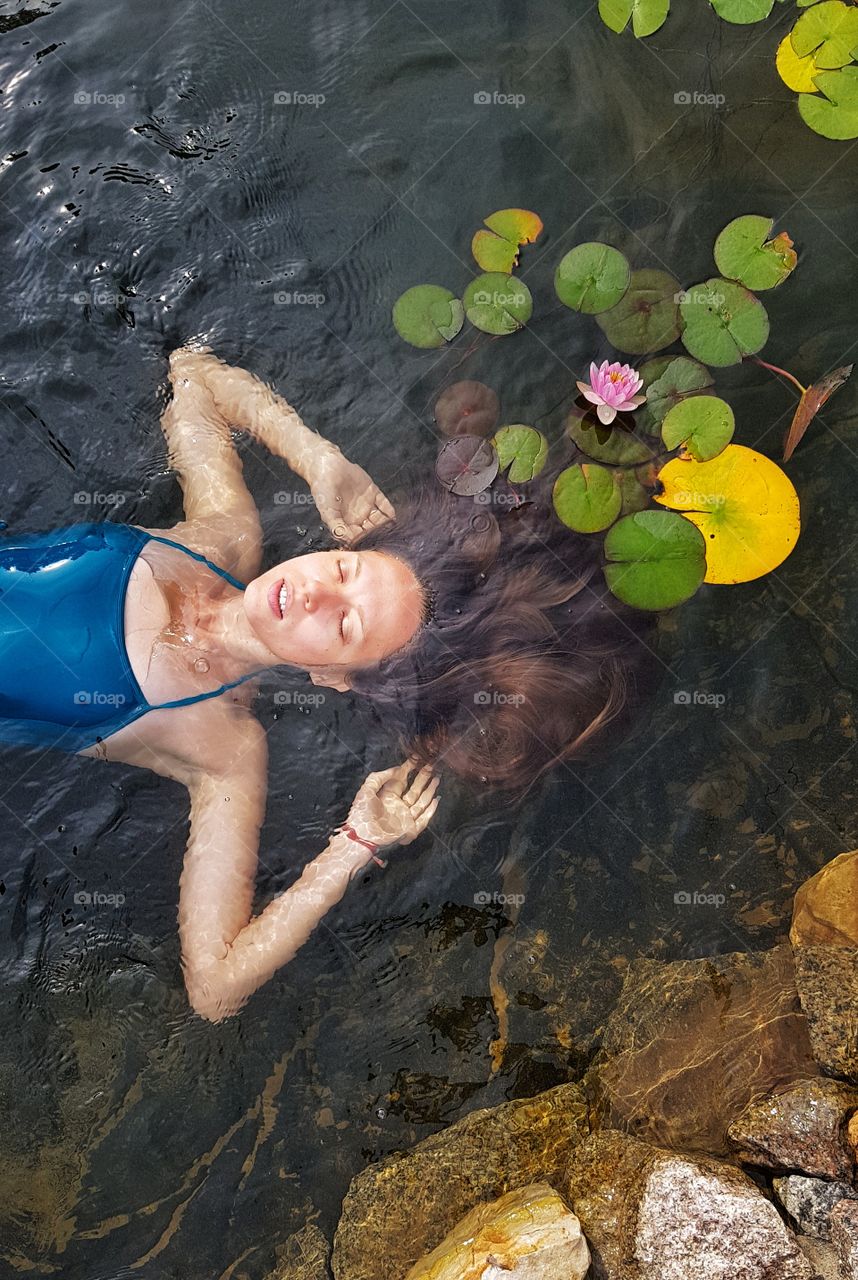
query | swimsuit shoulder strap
[242, 586]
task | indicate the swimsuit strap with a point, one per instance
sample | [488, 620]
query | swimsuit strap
[203, 560]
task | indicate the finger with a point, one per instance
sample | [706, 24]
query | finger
[375, 781]
[378, 517]
[385, 507]
[419, 785]
[421, 823]
[422, 804]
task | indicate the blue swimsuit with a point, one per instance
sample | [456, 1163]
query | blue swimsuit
[65, 678]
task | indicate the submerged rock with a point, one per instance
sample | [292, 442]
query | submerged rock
[822, 1256]
[825, 911]
[844, 1236]
[651, 1214]
[827, 981]
[692, 1042]
[398, 1210]
[528, 1234]
[810, 1201]
[804, 1127]
[304, 1256]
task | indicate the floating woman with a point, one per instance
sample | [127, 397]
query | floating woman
[491, 644]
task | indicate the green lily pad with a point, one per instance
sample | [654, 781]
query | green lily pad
[742, 12]
[704, 425]
[587, 498]
[522, 449]
[646, 15]
[668, 380]
[829, 31]
[497, 303]
[592, 277]
[428, 315]
[836, 114]
[614, 444]
[647, 317]
[743, 253]
[634, 495]
[724, 322]
[654, 563]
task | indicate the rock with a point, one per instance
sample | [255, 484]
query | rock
[528, 1234]
[652, 1214]
[844, 1236]
[804, 1127]
[852, 1136]
[304, 1256]
[809, 1202]
[692, 1042]
[825, 911]
[827, 981]
[396, 1211]
[823, 1257]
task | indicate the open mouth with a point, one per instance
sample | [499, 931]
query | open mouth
[280, 598]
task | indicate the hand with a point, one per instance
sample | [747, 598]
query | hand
[387, 810]
[347, 499]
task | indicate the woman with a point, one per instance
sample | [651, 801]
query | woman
[122, 643]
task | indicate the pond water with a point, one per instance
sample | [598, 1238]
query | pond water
[154, 189]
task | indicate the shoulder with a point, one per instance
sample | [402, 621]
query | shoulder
[231, 541]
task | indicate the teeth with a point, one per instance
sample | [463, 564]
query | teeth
[283, 595]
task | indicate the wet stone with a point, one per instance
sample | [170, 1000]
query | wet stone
[844, 1236]
[304, 1256]
[822, 1256]
[401, 1208]
[825, 911]
[827, 981]
[810, 1201]
[804, 1127]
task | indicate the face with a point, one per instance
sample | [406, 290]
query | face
[340, 609]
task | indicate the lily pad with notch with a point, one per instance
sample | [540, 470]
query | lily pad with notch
[743, 252]
[656, 559]
[702, 425]
[647, 316]
[617, 444]
[592, 277]
[724, 322]
[668, 380]
[497, 303]
[467, 465]
[587, 497]
[523, 450]
[428, 315]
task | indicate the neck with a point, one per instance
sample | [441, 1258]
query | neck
[225, 632]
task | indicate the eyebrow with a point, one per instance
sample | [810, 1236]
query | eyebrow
[358, 566]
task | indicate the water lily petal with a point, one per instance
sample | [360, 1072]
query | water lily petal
[606, 413]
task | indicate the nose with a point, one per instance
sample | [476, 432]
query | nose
[316, 594]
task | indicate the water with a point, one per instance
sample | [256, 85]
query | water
[137, 1139]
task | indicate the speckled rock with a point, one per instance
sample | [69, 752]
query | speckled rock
[825, 911]
[844, 1237]
[528, 1234]
[827, 981]
[398, 1210]
[810, 1201]
[692, 1042]
[651, 1214]
[304, 1256]
[803, 1127]
[822, 1256]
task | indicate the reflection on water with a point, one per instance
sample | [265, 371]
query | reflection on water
[184, 209]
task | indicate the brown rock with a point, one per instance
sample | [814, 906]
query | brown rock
[803, 1127]
[844, 1236]
[398, 1210]
[810, 1202]
[822, 1256]
[825, 911]
[692, 1042]
[304, 1256]
[827, 981]
[852, 1136]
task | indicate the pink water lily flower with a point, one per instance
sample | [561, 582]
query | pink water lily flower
[612, 389]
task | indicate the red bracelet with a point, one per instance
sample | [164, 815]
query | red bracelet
[353, 835]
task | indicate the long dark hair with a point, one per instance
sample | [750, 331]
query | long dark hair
[525, 657]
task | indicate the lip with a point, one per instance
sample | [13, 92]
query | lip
[273, 598]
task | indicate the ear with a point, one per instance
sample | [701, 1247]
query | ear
[330, 678]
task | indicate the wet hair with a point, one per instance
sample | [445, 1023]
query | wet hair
[524, 657]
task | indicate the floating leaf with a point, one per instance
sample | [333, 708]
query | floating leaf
[428, 315]
[522, 449]
[668, 380]
[743, 253]
[467, 465]
[615, 444]
[742, 12]
[743, 504]
[634, 495]
[797, 73]
[587, 498]
[592, 277]
[467, 408]
[835, 115]
[497, 303]
[829, 31]
[723, 322]
[809, 405]
[646, 15]
[704, 425]
[647, 317]
[497, 248]
[656, 559]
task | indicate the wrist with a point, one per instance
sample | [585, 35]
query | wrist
[317, 453]
[355, 848]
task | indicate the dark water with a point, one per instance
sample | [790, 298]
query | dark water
[180, 200]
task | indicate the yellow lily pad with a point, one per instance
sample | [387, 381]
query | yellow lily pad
[744, 505]
[797, 73]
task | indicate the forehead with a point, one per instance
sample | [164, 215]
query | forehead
[391, 599]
